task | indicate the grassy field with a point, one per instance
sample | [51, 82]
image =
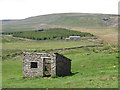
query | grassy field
[11, 46]
[8, 54]
[54, 33]
[91, 68]
[9, 39]
[109, 35]
[43, 44]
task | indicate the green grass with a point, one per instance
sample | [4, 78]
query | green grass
[95, 70]
[43, 44]
[0, 73]
[91, 67]
[8, 54]
[9, 39]
[54, 33]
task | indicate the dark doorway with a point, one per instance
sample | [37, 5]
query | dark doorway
[47, 66]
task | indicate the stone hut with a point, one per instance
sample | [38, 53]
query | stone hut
[73, 38]
[36, 64]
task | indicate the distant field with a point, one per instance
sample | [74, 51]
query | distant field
[9, 39]
[90, 70]
[85, 22]
[110, 36]
[54, 33]
[10, 46]
[43, 44]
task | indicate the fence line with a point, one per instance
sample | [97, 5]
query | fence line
[56, 49]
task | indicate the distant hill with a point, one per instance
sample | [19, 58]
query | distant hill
[65, 20]
[7, 20]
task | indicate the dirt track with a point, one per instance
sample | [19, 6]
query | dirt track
[19, 38]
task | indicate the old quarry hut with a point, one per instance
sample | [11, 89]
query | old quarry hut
[36, 64]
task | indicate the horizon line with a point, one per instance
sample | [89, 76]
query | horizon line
[58, 13]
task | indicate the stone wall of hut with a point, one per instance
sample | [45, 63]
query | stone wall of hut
[34, 64]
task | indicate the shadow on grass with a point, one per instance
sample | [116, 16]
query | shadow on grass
[71, 74]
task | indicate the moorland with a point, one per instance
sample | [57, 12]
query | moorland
[92, 67]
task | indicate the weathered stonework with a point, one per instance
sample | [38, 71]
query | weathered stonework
[34, 64]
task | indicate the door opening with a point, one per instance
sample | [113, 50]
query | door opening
[47, 71]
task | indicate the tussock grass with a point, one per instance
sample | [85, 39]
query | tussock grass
[90, 70]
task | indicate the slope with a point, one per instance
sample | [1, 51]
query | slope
[65, 20]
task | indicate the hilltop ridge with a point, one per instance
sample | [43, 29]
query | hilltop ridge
[62, 20]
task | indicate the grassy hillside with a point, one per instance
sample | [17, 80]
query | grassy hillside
[109, 35]
[90, 70]
[92, 67]
[54, 33]
[68, 20]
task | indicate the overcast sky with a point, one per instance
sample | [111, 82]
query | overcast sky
[20, 9]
